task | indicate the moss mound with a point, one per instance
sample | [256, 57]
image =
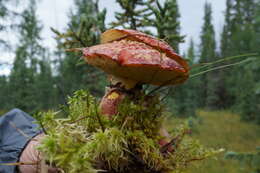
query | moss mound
[87, 142]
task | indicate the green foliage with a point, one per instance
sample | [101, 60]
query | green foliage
[144, 14]
[185, 97]
[86, 141]
[238, 40]
[166, 21]
[3, 91]
[30, 73]
[164, 17]
[46, 96]
[209, 81]
[251, 159]
[191, 54]
[132, 15]
[246, 97]
[86, 24]
[31, 85]
[221, 129]
[7, 13]
[140, 116]
[182, 103]
[208, 44]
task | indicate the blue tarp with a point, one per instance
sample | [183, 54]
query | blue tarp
[16, 129]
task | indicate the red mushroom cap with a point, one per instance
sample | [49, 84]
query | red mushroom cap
[160, 45]
[133, 55]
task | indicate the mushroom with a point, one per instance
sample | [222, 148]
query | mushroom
[132, 58]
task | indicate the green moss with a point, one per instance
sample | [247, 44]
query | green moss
[86, 141]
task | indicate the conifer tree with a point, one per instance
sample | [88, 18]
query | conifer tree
[132, 15]
[246, 97]
[3, 14]
[45, 84]
[243, 40]
[208, 44]
[238, 38]
[208, 54]
[256, 64]
[4, 92]
[226, 32]
[257, 25]
[84, 28]
[148, 14]
[166, 22]
[191, 52]
[226, 98]
[24, 71]
[193, 83]
[164, 18]
[185, 97]
[6, 16]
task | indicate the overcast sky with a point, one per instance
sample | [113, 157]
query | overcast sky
[53, 13]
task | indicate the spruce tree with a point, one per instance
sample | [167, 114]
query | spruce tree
[45, 85]
[193, 83]
[164, 17]
[226, 99]
[23, 74]
[208, 54]
[84, 28]
[256, 64]
[3, 15]
[166, 21]
[151, 14]
[6, 20]
[191, 52]
[238, 38]
[208, 44]
[4, 92]
[133, 12]
[226, 32]
[185, 97]
[246, 98]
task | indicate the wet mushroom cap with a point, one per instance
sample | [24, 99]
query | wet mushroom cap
[128, 34]
[136, 56]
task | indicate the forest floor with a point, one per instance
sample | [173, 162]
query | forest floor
[221, 129]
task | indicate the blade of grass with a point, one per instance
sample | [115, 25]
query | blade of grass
[203, 65]
[212, 69]
[220, 67]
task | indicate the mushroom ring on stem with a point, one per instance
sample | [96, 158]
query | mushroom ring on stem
[132, 57]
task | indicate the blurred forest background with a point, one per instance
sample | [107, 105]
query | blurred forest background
[225, 101]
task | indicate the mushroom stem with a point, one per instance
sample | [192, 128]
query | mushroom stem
[110, 101]
[125, 83]
[114, 96]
